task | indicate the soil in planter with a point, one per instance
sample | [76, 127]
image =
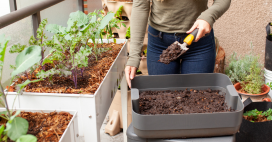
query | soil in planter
[260, 118]
[182, 102]
[92, 77]
[170, 54]
[47, 127]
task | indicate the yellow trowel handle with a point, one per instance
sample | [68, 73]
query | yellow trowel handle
[190, 38]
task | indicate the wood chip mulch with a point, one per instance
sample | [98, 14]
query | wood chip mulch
[92, 77]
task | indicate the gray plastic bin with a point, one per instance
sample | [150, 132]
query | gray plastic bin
[132, 137]
[186, 125]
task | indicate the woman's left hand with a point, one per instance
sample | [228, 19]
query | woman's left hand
[203, 28]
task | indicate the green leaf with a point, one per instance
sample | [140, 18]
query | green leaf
[52, 28]
[68, 37]
[78, 16]
[16, 128]
[27, 138]
[93, 19]
[105, 21]
[27, 58]
[47, 60]
[13, 116]
[269, 117]
[2, 128]
[3, 45]
[27, 82]
[124, 24]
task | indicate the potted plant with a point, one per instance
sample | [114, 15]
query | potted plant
[121, 15]
[33, 125]
[247, 75]
[256, 123]
[82, 71]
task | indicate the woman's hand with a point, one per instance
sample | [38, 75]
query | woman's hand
[203, 29]
[130, 72]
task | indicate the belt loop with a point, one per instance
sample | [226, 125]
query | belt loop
[175, 34]
[160, 35]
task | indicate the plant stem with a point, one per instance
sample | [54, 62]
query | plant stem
[42, 58]
[82, 70]
[5, 100]
[76, 79]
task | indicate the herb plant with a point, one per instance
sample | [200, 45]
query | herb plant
[247, 70]
[70, 49]
[16, 127]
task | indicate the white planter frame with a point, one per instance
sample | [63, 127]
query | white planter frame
[71, 132]
[91, 108]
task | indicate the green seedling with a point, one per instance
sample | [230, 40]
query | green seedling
[16, 127]
[70, 44]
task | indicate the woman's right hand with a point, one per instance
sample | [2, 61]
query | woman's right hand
[130, 72]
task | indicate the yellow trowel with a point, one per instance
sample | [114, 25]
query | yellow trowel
[177, 49]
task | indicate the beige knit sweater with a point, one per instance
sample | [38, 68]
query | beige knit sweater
[169, 16]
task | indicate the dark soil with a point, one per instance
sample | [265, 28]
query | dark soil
[47, 127]
[170, 54]
[92, 77]
[182, 102]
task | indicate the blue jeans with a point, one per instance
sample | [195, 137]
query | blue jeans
[200, 58]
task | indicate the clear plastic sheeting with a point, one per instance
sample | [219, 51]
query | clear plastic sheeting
[19, 32]
[4, 7]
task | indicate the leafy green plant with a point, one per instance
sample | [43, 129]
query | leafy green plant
[70, 44]
[247, 70]
[16, 127]
[128, 33]
[255, 113]
[119, 12]
[40, 41]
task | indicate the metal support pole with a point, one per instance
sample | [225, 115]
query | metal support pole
[36, 20]
[124, 97]
[81, 5]
[26, 11]
[12, 5]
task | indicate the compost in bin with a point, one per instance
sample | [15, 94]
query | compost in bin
[182, 102]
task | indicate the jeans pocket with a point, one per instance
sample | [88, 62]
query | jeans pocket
[153, 32]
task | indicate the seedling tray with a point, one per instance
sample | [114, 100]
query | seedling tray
[186, 125]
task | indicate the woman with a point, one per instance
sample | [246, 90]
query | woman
[170, 21]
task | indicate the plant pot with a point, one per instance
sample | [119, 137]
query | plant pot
[92, 108]
[265, 88]
[71, 132]
[257, 131]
